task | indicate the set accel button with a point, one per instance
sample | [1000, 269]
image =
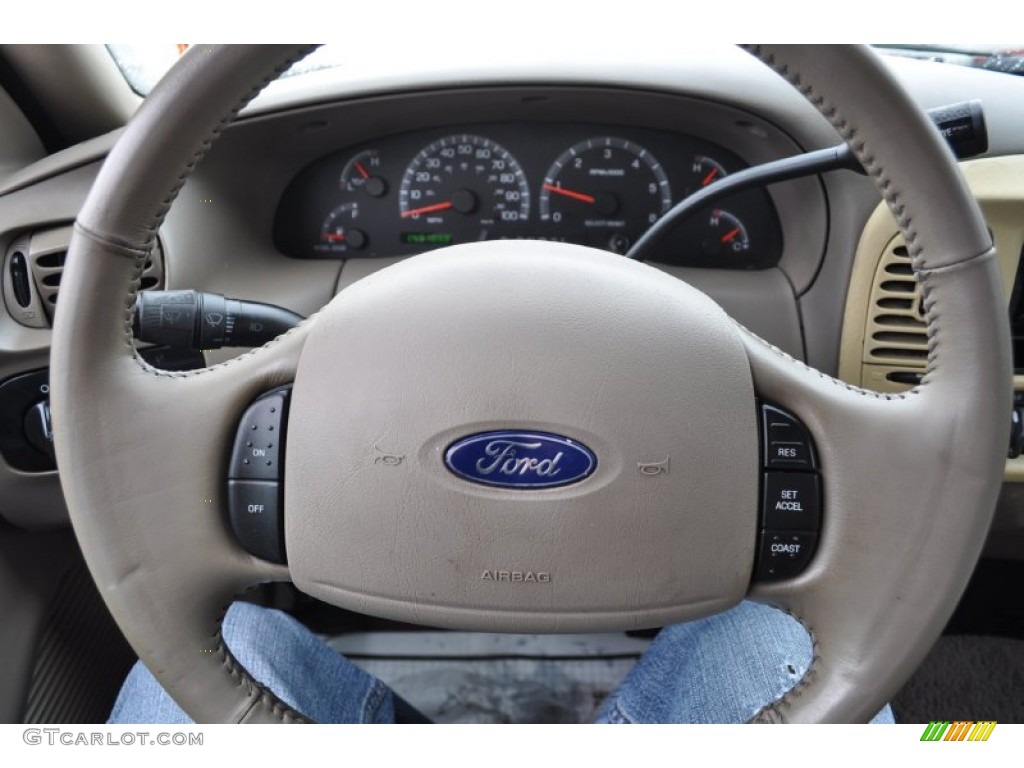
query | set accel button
[792, 501]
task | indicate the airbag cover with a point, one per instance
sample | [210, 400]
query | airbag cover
[523, 338]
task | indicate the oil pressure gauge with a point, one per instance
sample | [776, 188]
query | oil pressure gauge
[704, 171]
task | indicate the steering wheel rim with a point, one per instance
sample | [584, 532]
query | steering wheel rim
[894, 554]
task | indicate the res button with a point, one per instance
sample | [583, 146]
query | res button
[787, 445]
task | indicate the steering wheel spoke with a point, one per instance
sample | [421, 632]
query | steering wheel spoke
[155, 530]
[907, 488]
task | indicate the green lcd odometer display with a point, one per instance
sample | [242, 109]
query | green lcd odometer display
[427, 238]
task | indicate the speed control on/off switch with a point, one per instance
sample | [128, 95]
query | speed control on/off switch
[256, 477]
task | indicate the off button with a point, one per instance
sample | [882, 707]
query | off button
[792, 501]
[254, 508]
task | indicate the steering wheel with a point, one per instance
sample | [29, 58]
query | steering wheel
[636, 367]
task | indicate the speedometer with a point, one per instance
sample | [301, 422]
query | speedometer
[461, 188]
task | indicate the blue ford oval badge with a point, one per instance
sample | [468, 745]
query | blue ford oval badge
[522, 459]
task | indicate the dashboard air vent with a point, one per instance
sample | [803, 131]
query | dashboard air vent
[896, 334]
[47, 252]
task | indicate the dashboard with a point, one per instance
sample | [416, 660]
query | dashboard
[590, 184]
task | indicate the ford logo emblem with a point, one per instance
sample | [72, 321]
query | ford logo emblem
[524, 459]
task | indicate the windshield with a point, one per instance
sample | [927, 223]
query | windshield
[143, 65]
[1007, 57]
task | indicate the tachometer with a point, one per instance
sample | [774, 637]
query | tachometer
[612, 188]
[465, 187]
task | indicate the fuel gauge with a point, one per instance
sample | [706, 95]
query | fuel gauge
[338, 233]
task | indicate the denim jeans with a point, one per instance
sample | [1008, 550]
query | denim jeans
[721, 669]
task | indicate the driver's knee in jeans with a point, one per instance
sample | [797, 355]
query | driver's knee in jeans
[285, 657]
[721, 669]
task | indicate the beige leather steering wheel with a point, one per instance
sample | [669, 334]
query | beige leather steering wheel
[545, 337]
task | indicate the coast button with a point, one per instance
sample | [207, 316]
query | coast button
[784, 554]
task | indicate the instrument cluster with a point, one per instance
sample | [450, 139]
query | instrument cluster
[595, 185]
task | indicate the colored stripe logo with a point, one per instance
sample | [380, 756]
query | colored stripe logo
[959, 730]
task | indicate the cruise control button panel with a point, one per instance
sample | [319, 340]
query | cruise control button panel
[256, 477]
[791, 496]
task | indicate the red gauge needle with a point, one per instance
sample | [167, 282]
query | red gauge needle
[428, 209]
[362, 171]
[710, 177]
[569, 193]
[730, 235]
